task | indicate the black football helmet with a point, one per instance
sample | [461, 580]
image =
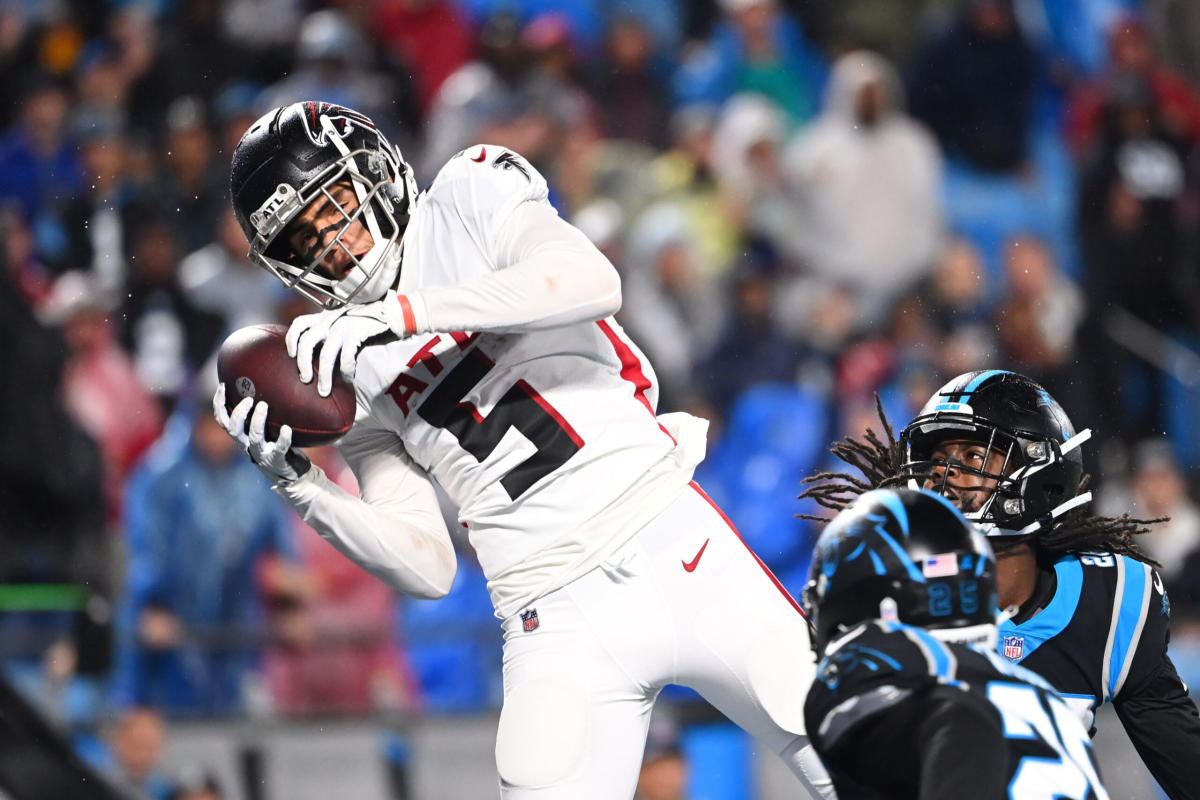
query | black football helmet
[295, 154]
[903, 555]
[1013, 415]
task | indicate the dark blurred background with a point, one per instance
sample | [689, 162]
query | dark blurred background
[810, 203]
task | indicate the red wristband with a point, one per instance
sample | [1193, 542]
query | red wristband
[410, 319]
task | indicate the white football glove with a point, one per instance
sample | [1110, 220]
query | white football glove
[344, 331]
[277, 460]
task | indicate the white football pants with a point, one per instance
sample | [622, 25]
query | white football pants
[579, 687]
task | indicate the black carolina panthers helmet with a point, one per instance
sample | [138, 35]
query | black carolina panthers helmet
[907, 555]
[293, 155]
[1013, 415]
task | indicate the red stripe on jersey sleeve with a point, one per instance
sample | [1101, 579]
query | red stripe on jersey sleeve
[765, 568]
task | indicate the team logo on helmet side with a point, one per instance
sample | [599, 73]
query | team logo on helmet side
[1055, 411]
[343, 119]
[507, 160]
[875, 543]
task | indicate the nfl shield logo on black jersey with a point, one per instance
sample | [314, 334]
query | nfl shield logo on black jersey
[529, 620]
[1014, 647]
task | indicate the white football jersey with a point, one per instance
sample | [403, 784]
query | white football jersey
[546, 440]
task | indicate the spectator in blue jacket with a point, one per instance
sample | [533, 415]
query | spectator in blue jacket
[191, 625]
[756, 47]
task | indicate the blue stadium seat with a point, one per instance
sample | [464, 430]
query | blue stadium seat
[719, 762]
[453, 645]
[776, 435]
[989, 209]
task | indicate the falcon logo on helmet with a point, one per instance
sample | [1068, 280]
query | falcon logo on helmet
[341, 118]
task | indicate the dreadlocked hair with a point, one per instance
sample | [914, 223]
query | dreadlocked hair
[1077, 531]
[877, 459]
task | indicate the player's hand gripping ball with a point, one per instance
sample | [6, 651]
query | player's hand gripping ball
[253, 362]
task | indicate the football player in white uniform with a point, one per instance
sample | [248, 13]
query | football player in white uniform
[476, 326]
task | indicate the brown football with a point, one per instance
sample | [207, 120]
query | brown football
[254, 361]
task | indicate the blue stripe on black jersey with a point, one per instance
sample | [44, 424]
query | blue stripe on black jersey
[941, 662]
[1051, 620]
[1128, 624]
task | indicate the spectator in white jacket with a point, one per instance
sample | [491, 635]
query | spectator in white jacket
[864, 179]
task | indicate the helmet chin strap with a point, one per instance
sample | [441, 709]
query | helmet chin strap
[1057, 512]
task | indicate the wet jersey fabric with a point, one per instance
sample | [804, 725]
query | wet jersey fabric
[896, 713]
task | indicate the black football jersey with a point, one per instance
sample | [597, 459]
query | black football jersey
[895, 713]
[1102, 638]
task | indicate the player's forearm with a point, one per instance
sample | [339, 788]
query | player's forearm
[410, 551]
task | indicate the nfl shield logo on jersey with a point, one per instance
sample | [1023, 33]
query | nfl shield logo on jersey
[1014, 647]
[529, 620]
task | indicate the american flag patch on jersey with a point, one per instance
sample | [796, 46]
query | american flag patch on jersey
[529, 619]
[940, 566]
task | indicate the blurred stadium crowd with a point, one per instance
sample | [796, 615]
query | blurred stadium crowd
[810, 203]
